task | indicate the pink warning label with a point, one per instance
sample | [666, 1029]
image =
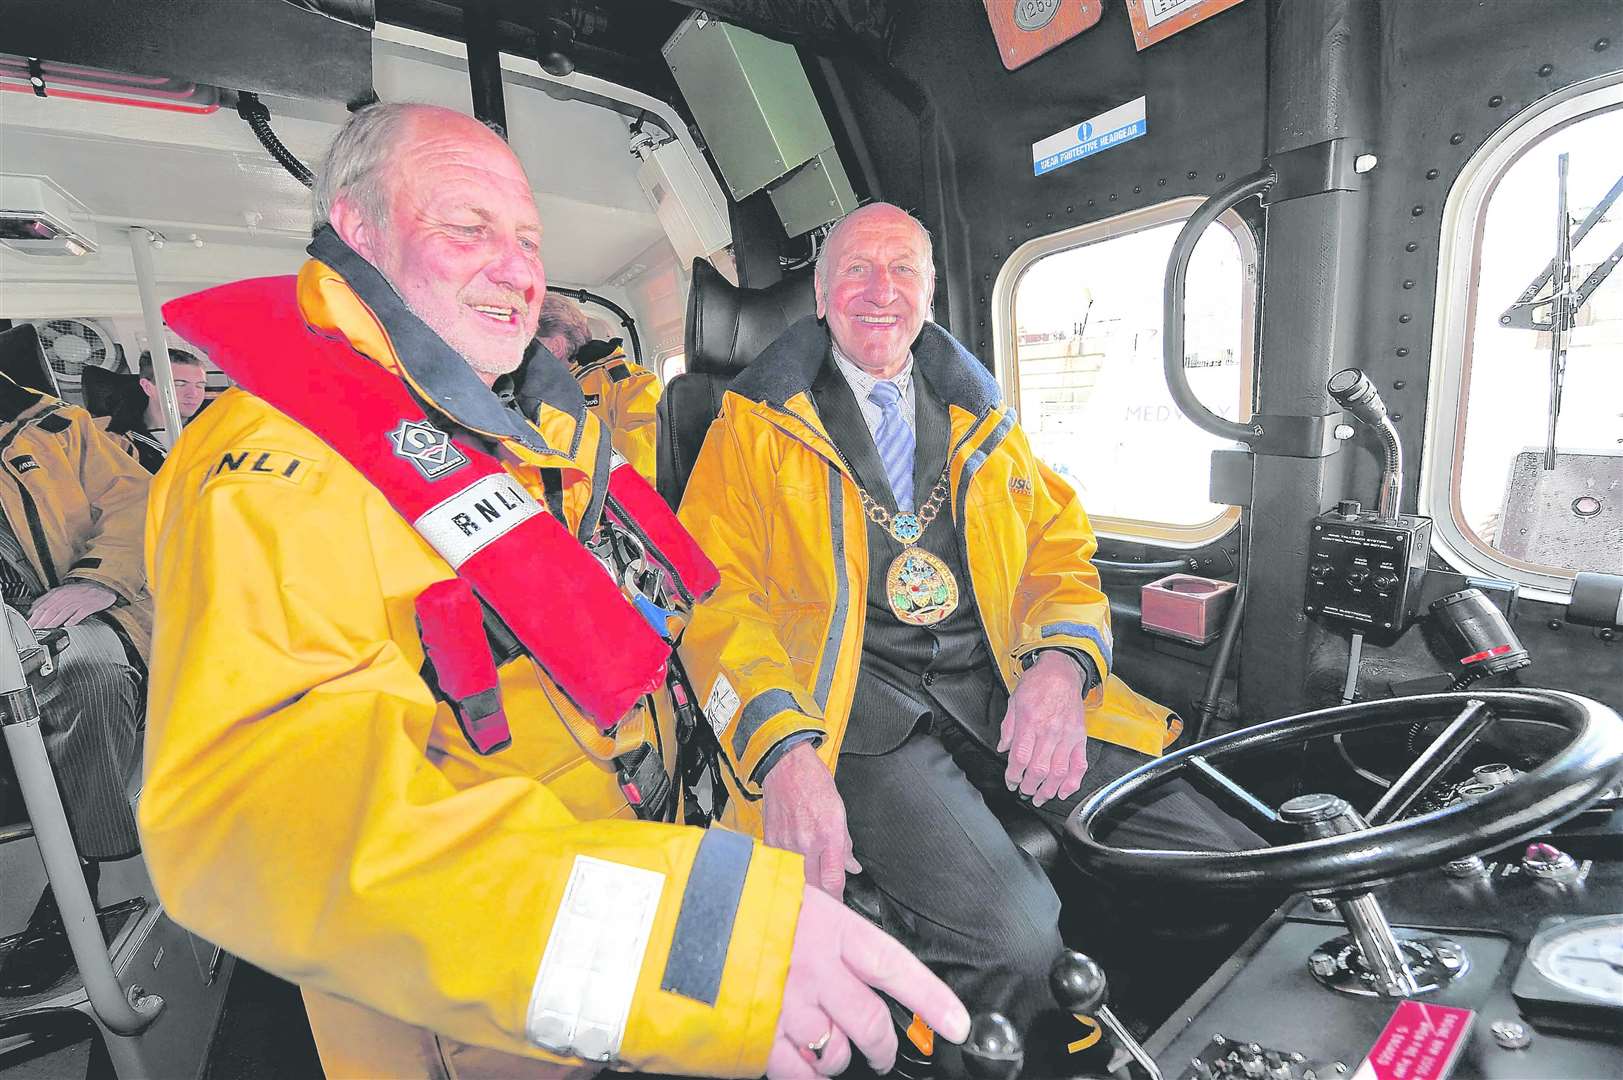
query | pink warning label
[1420, 1042]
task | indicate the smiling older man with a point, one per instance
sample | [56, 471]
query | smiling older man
[402, 720]
[908, 625]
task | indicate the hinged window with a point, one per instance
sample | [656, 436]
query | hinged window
[1524, 469]
[1078, 329]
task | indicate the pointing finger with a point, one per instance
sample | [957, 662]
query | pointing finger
[880, 961]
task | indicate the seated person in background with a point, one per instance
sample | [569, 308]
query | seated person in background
[135, 414]
[908, 624]
[70, 556]
[344, 788]
[623, 394]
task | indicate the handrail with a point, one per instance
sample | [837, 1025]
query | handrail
[125, 1012]
[587, 296]
[1208, 212]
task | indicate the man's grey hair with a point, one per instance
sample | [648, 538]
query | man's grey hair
[561, 318]
[356, 165]
[820, 269]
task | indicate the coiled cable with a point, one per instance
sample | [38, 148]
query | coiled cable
[251, 109]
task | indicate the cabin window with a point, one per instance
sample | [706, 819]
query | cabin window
[1525, 460]
[1078, 332]
[671, 365]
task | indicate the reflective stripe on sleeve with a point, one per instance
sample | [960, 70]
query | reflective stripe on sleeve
[1099, 637]
[582, 996]
[704, 928]
[761, 708]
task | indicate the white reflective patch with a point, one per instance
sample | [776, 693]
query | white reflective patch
[582, 996]
[722, 705]
[476, 515]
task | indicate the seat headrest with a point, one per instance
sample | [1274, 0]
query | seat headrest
[22, 358]
[728, 327]
[117, 394]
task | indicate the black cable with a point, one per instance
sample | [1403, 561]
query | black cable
[251, 109]
[1220, 665]
[1416, 732]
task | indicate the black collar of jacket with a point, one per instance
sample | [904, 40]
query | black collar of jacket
[16, 399]
[439, 370]
[790, 366]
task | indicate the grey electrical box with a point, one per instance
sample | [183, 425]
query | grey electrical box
[815, 194]
[755, 107]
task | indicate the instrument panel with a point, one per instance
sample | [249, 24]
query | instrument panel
[1544, 982]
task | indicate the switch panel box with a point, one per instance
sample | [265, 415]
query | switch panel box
[1365, 573]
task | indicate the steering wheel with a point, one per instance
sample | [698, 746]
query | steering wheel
[1391, 846]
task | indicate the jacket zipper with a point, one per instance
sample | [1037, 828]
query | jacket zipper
[963, 540]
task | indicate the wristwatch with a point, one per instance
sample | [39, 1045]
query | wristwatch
[1090, 671]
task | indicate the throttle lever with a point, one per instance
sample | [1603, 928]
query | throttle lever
[993, 1050]
[1080, 987]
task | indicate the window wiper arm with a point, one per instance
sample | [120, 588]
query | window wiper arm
[1519, 315]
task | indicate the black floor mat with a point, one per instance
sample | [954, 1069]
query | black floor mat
[263, 1033]
[113, 920]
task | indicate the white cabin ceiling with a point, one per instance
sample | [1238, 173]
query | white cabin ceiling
[207, 175]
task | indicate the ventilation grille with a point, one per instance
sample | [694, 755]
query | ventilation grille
[71, 345]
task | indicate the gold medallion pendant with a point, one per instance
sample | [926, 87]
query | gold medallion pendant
[920, 588]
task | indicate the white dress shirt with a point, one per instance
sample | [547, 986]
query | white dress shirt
[861, 382]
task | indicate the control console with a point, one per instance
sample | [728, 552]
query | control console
[1364, 571]
[1232, 1059]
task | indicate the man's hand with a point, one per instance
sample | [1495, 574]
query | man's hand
[837, 956]
[70, 604]
[802, 811]
[1045, 730]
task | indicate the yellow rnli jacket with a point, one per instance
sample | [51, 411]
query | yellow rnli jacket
[76, 503]
[775, 650]
[624, 396]
[311, 806]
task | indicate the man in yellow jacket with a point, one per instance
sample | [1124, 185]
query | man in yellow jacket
[908, 624]
[72, 511]
[451, 868]
[623, 394]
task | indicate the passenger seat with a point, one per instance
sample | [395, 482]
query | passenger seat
[727, 328]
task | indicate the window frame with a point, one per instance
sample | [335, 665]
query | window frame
[1463, 221]
[1005, 347]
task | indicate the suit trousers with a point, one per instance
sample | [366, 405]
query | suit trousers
[978, 910]
[91, 717]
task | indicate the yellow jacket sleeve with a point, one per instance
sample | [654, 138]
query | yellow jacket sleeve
[634, 404]
[747, 684]
[1058, 601]
[294, 814]
[116, 488]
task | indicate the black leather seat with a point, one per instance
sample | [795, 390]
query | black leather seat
[22, 358]
[727, 327]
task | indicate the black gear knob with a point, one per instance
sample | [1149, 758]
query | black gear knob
[993, 1050]
[1078, 983]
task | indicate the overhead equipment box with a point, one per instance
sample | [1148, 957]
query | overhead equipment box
[756, 109]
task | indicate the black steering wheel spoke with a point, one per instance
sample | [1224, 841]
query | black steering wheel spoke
[1234, 798]
[1435, 760]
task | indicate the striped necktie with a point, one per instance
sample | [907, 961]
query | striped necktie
[894, 440]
